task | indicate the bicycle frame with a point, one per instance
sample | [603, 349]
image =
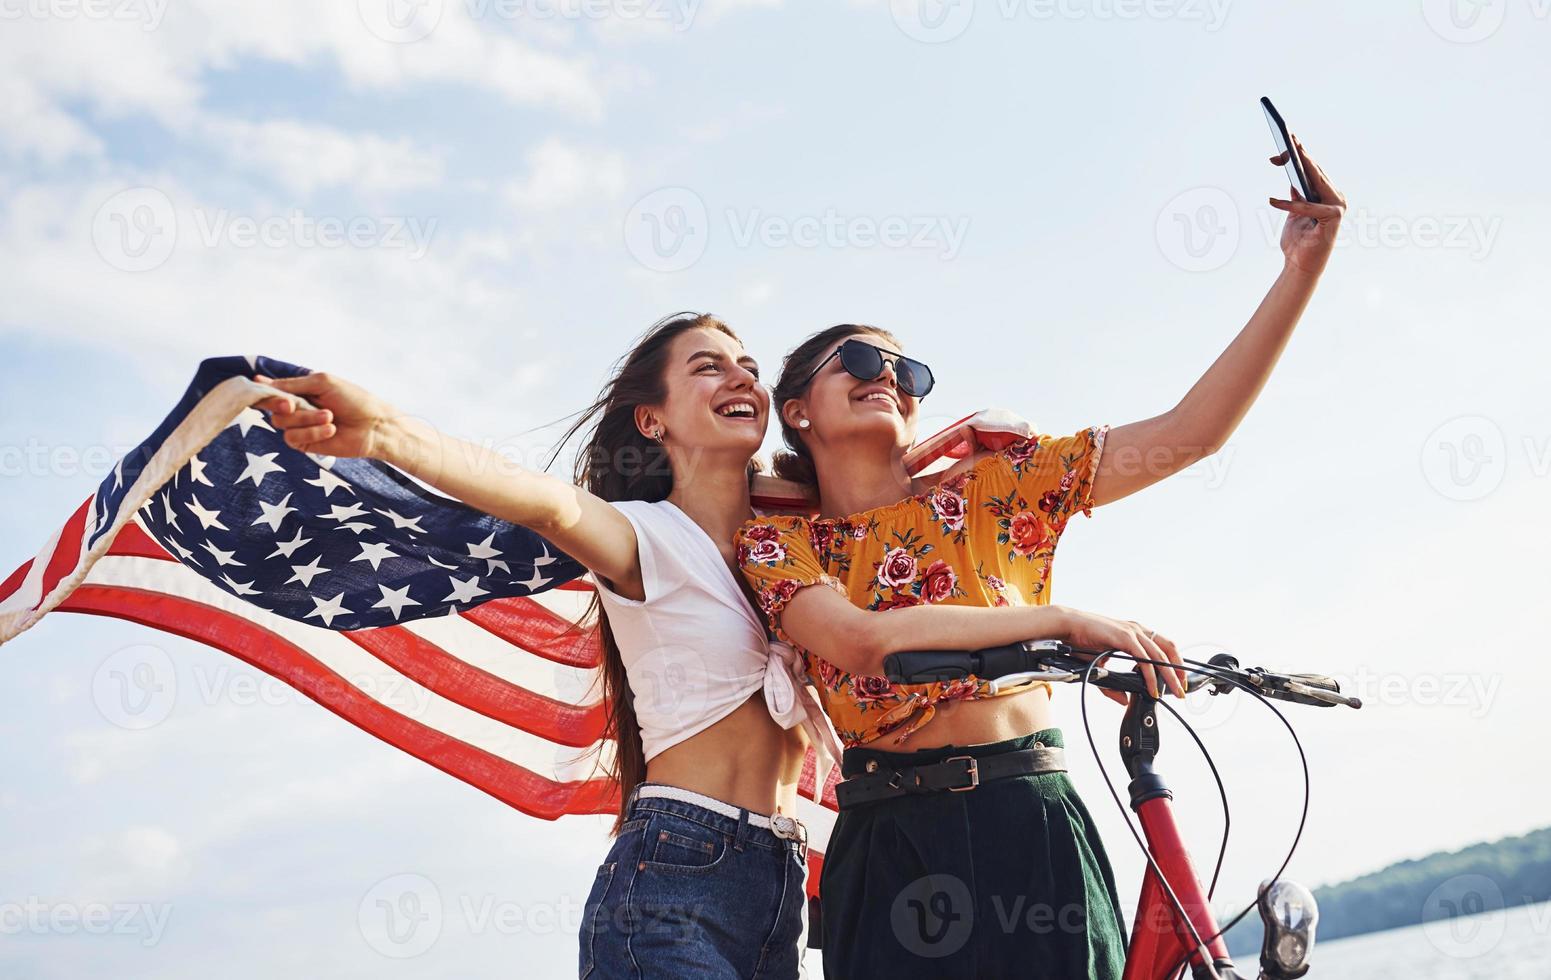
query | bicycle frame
[1160, 940]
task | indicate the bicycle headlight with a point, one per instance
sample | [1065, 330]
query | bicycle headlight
[1290, 914]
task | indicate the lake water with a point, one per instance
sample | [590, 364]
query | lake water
[1509, 944]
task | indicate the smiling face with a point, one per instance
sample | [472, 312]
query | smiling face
[842, 408]
[714, 399]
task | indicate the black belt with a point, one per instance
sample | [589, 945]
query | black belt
[956, 774]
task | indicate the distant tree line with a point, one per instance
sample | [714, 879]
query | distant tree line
[1480, 878]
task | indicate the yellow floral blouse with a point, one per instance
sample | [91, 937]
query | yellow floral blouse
[986, 537]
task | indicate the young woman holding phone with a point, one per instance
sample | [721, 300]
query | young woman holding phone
[1016, 834]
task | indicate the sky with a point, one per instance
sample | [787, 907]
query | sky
[473, 206]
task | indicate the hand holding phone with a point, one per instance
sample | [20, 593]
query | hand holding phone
[1315, 210]
[1297, 173]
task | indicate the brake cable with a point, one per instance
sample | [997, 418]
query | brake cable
[1212, 671]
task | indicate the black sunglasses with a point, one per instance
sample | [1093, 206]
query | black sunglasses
[864, 362]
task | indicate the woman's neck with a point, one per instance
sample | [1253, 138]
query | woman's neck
[860, 478]
[714, 493]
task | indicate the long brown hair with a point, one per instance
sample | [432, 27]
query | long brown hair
[619, 463]
[796, 462]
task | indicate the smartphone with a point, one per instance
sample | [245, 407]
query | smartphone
[1295, 169]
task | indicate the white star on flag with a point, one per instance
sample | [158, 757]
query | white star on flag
[394, 599]
[196, 471]
[273, 514]
[221, 557]
[401, 522]
[375, 552]
[288, 548]
[338, 513]
[465, 591]
[249, 418]
[207, 518]
[328, 482]
[328, 610]
[241, 588]
[306, 573]
[258, 467]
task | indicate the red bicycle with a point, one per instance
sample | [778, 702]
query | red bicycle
[1175, 927]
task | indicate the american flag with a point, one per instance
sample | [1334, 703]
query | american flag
[443, 631]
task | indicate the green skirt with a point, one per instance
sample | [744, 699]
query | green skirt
[1007, 880]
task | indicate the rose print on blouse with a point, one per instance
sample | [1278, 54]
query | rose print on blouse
[987, 537]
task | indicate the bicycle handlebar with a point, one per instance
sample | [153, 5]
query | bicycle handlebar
[1057, 662]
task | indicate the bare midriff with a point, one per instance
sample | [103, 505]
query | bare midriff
[978, 722]
[745, 759]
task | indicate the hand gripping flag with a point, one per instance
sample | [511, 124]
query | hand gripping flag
[346, 579]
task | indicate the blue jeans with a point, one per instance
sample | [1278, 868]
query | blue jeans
[686, 893]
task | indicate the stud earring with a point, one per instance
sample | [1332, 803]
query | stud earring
[804, 424]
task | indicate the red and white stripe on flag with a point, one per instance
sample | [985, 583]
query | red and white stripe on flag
[502, 696]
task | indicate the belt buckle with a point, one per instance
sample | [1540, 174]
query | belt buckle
[789, 828]
[974, 773]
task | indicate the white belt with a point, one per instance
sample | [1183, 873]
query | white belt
[783, 826]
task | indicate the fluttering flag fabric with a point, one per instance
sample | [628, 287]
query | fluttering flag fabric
[444, 631]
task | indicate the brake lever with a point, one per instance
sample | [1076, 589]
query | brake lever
[1312, 689]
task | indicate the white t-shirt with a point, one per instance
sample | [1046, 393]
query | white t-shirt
[694, 650]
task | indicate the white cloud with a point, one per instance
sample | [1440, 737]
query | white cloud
[132, 863]
[560, 174]
[33, 124]
[304, 157]
[118, 67]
